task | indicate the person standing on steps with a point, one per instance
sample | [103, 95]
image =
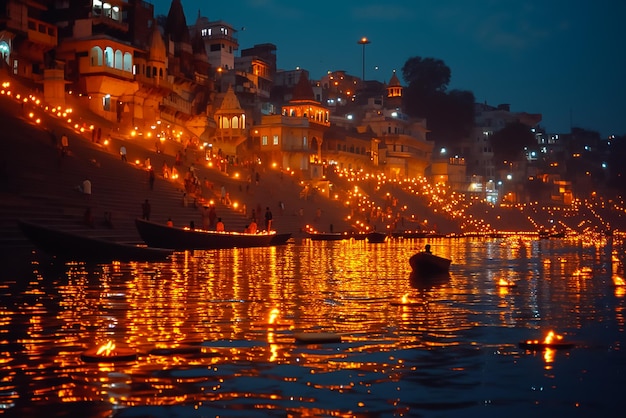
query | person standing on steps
[145, 210]
[268, 219]
[65, 145]
[123, 153]
[151, 178]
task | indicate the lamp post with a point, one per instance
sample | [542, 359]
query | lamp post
[363, 41]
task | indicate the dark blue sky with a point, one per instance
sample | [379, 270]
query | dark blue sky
[565, 59]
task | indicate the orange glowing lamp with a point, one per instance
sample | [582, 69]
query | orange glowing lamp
[551, 340]
[106, 350]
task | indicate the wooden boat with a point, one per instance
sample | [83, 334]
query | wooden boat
[160, 235]
[428, 264]
[376, 237]
[70, 246]
[280, 239]
[328, 236]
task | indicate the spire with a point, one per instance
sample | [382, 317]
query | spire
[303, 90]
[230, 102]
[157, 46]
[394, 81]
[176, 23]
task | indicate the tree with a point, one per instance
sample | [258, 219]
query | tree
[427, 75]
[509, 142]
[449, 115]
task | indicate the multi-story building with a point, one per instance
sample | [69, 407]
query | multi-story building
[293, 139]
[220, 41]
[27, 38]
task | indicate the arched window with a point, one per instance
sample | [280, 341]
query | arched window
[96, 56]
[128, 62]
[108, 57]
[118, 59]
[235, 122]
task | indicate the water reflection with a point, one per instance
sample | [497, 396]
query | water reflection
[214, 331]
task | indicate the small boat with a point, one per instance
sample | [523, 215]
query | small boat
[427, 264]
[376, 237]
[161, 235]
[280, 239]
[328, 236]
[71, 246]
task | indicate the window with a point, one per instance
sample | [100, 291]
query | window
[264, 140]
[118, 59]
[106, 102]
[275, 139]
[108, 57]
[128, 62]
[96, 56]
[304, 142]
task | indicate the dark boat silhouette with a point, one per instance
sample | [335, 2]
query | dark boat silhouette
[71, 246]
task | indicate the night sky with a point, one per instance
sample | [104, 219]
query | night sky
[564, 59]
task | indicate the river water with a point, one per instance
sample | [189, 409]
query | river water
[214, 332]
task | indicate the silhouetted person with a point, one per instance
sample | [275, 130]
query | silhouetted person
[427, 249]
[145, 210]
[151, 178]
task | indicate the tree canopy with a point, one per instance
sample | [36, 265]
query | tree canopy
[449, 115]
[509, 142]
[426, 75]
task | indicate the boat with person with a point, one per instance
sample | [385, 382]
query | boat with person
[73, 246]
[186, 238]
[425, 263]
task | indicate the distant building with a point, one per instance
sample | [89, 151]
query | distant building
[293, 139]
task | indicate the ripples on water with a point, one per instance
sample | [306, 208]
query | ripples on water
[226, 322]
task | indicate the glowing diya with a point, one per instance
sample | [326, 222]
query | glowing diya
[317, 337]
[108, 353]
[552, 340]
[405, 301]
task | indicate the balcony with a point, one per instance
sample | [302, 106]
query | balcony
[42, 33]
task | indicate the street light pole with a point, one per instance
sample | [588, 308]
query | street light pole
[363, 41]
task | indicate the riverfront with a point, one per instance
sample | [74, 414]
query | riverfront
[449, 349]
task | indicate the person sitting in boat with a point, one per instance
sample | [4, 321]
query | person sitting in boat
[252, 228]
[427, 249]
[220, 225]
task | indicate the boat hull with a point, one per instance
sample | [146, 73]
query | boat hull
[327, 236]
[280, 239]
[70, 246]
[376, 237]
[158, 235]
[427, 264]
